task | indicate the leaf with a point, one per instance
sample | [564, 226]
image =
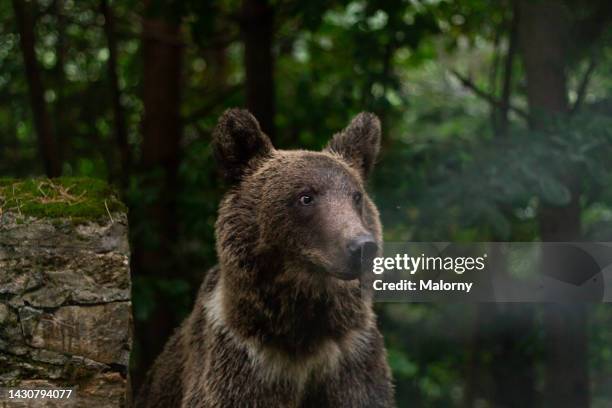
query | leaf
[499, 223]
[553, 192]
[400, 364]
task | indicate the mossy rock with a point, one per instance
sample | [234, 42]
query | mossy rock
[78, 199]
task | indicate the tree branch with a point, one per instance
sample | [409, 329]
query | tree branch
[486, 96]
[584, 84]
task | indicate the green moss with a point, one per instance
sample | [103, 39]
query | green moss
[80, 199]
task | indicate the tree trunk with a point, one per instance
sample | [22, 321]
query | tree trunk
[154, 253]
[120, 170]
[508, 75]
[544, 35]
[62, 132]
[42, 122]
[500, 368]
[257, 27]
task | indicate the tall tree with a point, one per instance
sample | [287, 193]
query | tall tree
[121, 133]
[257, 29]
[62, 132]
[162, 50]
[47, 142]
[498, 349]
[512, 321]
[544, 28]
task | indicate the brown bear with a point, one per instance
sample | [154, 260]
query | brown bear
[285, 319]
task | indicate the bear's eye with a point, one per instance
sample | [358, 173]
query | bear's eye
[357, 197]
[306, 199]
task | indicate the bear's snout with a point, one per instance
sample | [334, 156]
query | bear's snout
[362, 251]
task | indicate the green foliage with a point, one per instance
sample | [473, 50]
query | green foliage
[402, 367]
[504, 180]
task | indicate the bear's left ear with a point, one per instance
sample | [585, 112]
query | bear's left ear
[359, 142]
[238, 143]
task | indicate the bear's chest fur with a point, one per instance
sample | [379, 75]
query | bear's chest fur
[294, 340]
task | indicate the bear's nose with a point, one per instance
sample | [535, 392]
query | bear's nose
[362, 250]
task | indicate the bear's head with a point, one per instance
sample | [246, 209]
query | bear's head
[297, 210]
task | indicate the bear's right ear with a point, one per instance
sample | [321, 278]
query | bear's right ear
[237, 142]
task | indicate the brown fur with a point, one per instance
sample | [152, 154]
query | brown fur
[281, 322]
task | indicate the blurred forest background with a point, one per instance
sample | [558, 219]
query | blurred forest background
[497, 119]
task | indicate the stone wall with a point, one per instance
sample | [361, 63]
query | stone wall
[65, 311]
